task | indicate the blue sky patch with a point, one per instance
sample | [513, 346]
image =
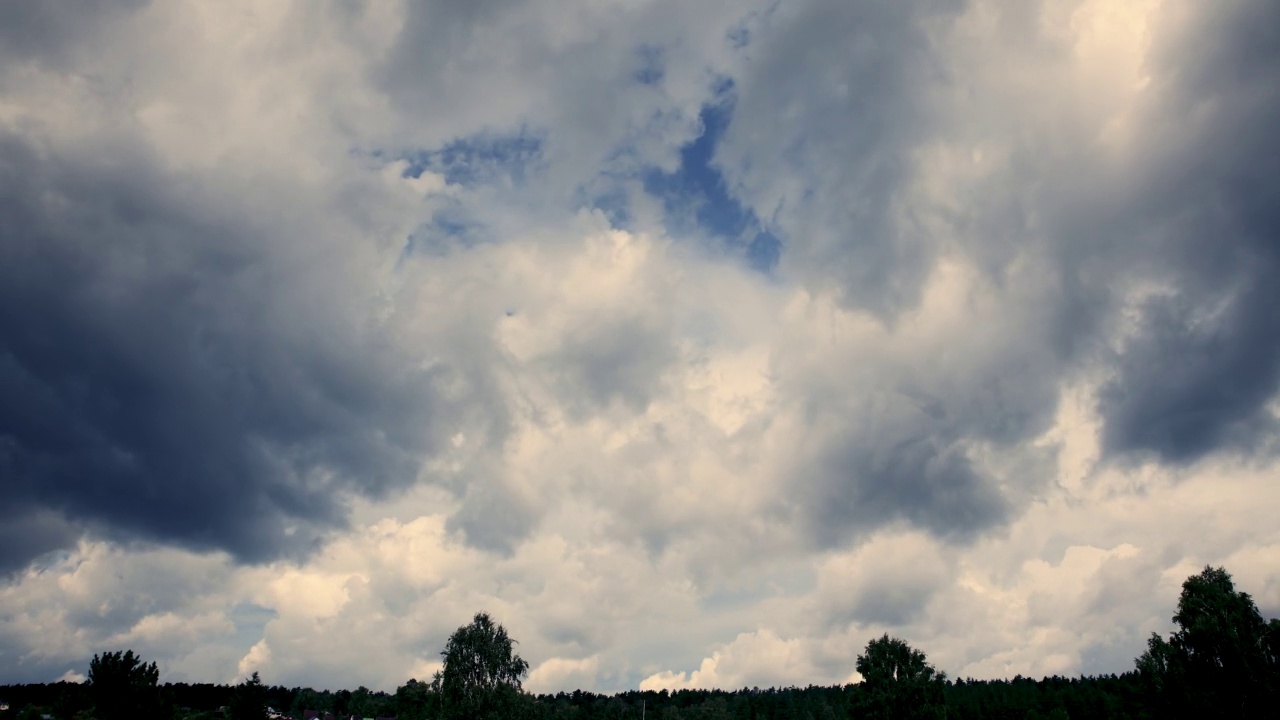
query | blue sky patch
[696, 198]
[250, 620]
[447, 228]
[481, 159]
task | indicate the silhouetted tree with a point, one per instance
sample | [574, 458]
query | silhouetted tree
[341, 702]
[249, 702]
[416, 701]
[1220, 662]
[898, 682]
[481, 675]
[123, 687]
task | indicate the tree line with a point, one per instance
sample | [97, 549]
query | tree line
[1222, 661]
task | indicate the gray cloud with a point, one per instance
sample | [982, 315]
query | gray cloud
[1205, 360]
[890, 580]
[52, 32]
[1195, 213]
[890, 606]
[856, 72]
[614, 359]
[492, 516]
[165, 380]
[28, 531]
[933, 486]
[842, 189]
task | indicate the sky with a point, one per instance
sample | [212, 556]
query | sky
[699, 343]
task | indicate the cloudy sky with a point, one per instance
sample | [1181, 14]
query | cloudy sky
[698, 342]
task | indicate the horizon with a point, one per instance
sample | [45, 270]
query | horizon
[697, 342]
[662, 691]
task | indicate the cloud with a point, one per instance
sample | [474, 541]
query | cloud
[1198, 373]
[884, 146]
[887, 581]
[697, 344]
[54, 617]
[557, 673]
[28, 532]
[169, 380]
[752, 658]
[1155, 256]
[830, 187]
[56, 33]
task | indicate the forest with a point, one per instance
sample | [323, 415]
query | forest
[1221, 661]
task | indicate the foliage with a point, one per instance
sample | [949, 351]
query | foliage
[416, 701]
[1100, 698]
[307, 699]
[1221, 662]
[250, 700]
[481, 675]
[890, 660]
[123, 687]
[899, 682]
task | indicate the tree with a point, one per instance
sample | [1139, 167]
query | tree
[342, 703]
[123, 687]
[481, 675]
[415, 700]
[1219, 663]
[898, 682]
[249, 701]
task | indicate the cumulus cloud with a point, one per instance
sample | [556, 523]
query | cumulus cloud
[888, 580]
[752, 659]
[698, 344]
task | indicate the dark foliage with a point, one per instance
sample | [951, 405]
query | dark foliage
[249, 701]
[123, 687]
[1221, 662]
[898, 683]
[481, 675]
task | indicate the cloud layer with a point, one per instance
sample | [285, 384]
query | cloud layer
[697, 344]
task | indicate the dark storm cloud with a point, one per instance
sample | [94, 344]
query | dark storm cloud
[169, 374]
[28, 531]
[1189, 385]
[1205, 361]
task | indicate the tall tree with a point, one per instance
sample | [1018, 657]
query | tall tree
[1219, 662]
[249, 701]
[482, 674]
[123, 687]
[898, 682]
